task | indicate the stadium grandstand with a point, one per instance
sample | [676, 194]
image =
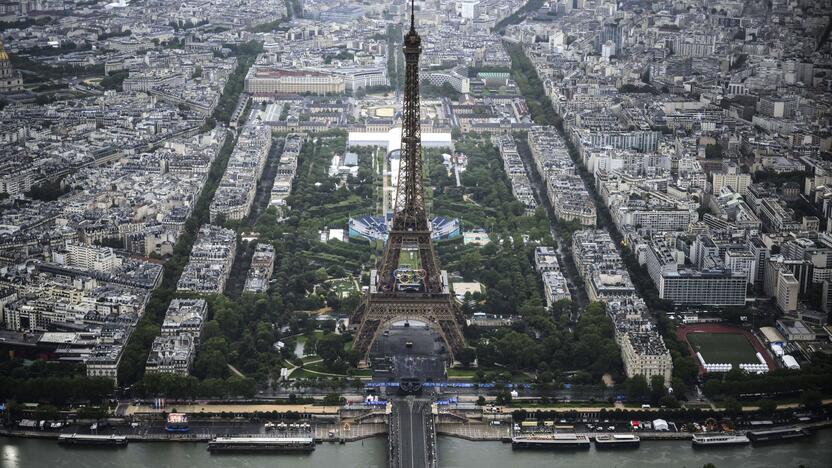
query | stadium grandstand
[375, 227]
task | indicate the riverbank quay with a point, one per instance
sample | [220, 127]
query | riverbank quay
[205, 420]
[488, 433]
[346, 432]
[635, 408]
[477, 432]
[230, 408]
[320, 432]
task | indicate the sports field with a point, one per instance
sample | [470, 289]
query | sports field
[731, 348]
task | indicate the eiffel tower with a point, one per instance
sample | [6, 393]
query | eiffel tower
[408, 283]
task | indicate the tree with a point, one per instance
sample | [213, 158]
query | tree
[503, 398]
[481, 401]
[470, 263]
[114, 80]
[212, 388]
[637, 388]
[732, 406]
[211, 364]
[811, 400]
[333, 399]
[241, 386]
[679, 388]
[686, 369]
[321, 275]
[47, 191]
[331, 348]
[466, 356]
[713, 151]
[657, 390]
[212, 329]
[669, 401]
[767, 407]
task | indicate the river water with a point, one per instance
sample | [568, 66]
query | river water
[453, 453]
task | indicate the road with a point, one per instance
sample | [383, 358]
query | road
[242, 262]
[414, 351]
[413, 443]
[573, 279]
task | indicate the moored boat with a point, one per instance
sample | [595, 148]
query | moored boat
[92, 439]
[719, 439]
[764, 436]
[261, 444]
[610, 441]
[551, 441]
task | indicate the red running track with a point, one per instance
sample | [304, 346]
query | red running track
[683, 331]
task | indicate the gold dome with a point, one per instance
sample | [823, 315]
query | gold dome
[3, 55]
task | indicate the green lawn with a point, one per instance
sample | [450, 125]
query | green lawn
[319, 367]
[723, 348]
[343, 287]
[461, 373]
[410, 258]
[303, 374]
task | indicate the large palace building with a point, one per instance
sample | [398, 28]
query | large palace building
[10, 80]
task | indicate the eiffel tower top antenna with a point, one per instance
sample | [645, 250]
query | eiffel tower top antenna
[413, 15]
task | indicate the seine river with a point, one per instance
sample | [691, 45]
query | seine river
[453, 453]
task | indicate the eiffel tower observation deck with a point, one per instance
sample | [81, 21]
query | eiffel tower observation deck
[408, 283]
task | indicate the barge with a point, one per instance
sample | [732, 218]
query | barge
[550, 441]
[92, 439]
[262, 444]
[763, 436]
[616, 441]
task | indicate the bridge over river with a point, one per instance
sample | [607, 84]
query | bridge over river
[412, 434]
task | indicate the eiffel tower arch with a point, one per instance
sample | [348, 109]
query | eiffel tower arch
[376, 314]
[408, 283]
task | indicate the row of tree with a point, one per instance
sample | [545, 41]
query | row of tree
[544, 341]
[243, 332]
[519, 15]
[236, 82]
[524, 73]
[548, 346]
[485, 200]
[136, 351]
[189, 387]
[781, 382]
[55, 390]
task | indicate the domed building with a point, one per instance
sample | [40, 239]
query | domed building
[10, 80]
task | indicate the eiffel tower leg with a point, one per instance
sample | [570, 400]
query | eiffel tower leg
[453, 337]
[357, 317]
[365, 338]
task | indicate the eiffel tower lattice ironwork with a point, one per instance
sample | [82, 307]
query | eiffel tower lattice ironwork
[408, 283]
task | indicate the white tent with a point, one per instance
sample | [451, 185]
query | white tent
[660, 425]
[392, 139]
[790, 362]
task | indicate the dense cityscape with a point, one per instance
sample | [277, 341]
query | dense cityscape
[263, 225]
